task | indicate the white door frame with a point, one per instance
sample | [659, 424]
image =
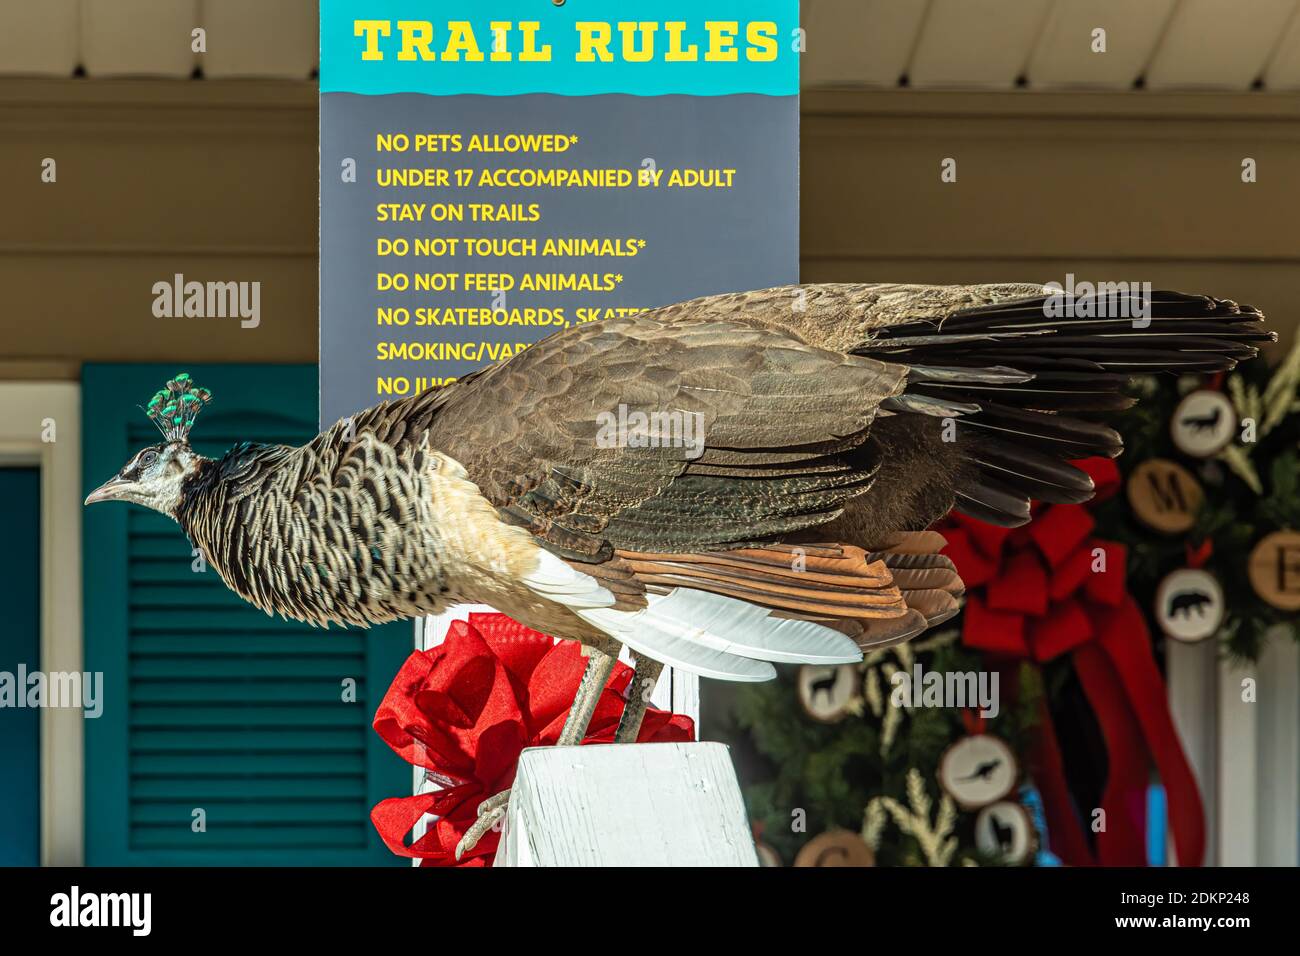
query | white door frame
[26, 408]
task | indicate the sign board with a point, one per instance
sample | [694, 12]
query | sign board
[495, 172]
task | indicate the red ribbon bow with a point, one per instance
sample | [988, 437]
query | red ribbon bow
[1037, 592]
[466, 709]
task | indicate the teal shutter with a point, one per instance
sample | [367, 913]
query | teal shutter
[20, 644]
[208, 703]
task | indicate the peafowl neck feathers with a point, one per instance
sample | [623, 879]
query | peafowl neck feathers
[337, 531]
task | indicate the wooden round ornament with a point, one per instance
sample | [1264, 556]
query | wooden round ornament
[1275, 570]
[1203, 423]
[827, 692]
[1164, 495]
[1005, 832]
[978, 770]
[1190, 605]
[835, 848]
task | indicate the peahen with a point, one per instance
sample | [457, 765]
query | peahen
[832, 424]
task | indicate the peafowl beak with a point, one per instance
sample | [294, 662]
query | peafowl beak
[115, 489]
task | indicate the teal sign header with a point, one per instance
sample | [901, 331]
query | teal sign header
[582, 48]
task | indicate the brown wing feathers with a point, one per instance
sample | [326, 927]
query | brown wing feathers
[824, 411]
[785, 428]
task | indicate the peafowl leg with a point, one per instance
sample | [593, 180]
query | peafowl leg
[599, 666]
[638, 698]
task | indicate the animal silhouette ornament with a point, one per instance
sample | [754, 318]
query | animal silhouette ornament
[1190, 605]
[984, 771]
[1184, 602]
[978, 770]
[1005, 832]
[838, 421]
[1204, 423]
[823, 685]
[829, 694]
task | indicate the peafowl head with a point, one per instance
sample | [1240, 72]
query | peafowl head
[155, 475]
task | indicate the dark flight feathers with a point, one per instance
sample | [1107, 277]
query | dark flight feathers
[1017, 443]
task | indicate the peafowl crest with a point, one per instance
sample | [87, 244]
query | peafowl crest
[175, 407]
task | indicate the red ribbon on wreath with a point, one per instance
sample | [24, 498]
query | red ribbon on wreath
[1034, 594]
[466, 709]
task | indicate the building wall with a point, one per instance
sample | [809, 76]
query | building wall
[215, 180]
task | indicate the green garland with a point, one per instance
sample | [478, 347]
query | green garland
[1251, 490]
[826, 776]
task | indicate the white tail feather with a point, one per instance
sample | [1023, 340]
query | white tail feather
[717, 636]
[560, 582]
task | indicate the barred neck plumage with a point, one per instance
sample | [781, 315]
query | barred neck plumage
[330, 533]
[207, 484]
[210, 515]
[194, 488]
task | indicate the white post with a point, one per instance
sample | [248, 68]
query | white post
[573, 806]
[1279, 751]
[1238, 767]
[1192, 673]
[677, 690]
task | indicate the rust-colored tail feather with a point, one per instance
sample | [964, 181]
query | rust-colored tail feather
[814, 581]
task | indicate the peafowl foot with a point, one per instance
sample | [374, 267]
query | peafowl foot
[490, 812]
